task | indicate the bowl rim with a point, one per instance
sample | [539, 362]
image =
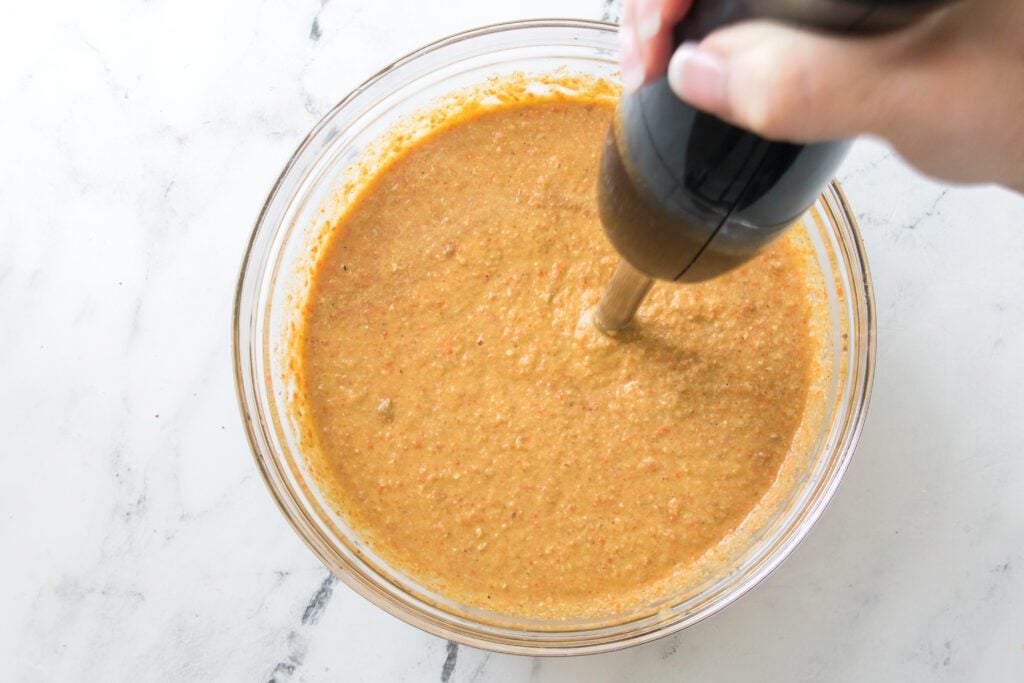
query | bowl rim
[850, 243]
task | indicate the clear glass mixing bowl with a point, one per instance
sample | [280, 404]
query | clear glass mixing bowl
[274, 278]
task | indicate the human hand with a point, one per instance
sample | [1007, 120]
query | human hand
[947, 92]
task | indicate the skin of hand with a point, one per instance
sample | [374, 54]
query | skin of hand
[947, 92]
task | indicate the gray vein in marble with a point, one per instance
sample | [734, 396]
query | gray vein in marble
[318, 603]
[869, 166]
[296, 642]
[111, 83]
[611, 10]
[670, 646]
[451, 657]
[315, 32]
[930, 212]
[478, 671]
[535, 665]
[1002, 573]
[284, 669]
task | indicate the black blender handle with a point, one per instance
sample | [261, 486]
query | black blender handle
[686, 196]
[835, 16]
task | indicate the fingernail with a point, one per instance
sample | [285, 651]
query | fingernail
[649, 22]
[699, 77]
[629, 58]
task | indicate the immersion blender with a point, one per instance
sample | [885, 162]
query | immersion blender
[685, 196]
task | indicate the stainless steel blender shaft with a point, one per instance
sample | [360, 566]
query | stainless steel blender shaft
[625, 293]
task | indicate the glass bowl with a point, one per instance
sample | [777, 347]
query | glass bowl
[275, 277]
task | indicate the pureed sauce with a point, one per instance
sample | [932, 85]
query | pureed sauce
[468, 421]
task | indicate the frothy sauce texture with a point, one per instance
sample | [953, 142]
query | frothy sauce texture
[474, 427]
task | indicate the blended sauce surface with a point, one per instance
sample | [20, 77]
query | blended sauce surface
[477, 431]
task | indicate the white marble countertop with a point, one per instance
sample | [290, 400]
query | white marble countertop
[137, 143]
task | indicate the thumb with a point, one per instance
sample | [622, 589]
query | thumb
[789, 84]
